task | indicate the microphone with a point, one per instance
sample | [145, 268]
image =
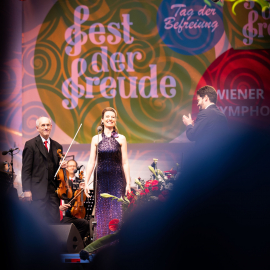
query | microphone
[99, 128]
[78, 168]
[9, 151]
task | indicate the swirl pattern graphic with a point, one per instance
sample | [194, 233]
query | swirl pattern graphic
[30, 112]
[242, 81]
[243, 23]
[113, 56]
[189, 27]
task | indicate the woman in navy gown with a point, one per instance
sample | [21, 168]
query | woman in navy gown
[112, 171]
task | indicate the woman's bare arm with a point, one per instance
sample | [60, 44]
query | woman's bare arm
[125, 163]
[91, 163]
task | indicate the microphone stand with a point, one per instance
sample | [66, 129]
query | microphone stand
[95, 182]
[12, 170]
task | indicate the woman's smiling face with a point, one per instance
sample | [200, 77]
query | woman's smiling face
[109, 119]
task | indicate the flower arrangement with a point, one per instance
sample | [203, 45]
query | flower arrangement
[157, 188]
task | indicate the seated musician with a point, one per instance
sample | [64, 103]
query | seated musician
[80, 223]
[7, 188]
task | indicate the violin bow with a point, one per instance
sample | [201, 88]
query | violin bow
[79, 193]
[67, 150]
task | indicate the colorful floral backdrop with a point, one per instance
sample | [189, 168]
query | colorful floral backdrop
[145, 59]
[71, 58]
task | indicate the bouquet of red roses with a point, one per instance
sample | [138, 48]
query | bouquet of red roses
[158, 188]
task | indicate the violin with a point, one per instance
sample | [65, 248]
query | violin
[64, 191]
[78, 209]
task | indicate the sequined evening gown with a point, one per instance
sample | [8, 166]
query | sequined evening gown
[110, 179]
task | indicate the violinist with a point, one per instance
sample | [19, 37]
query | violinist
[76, 183]
[71, 168]
[39, 165]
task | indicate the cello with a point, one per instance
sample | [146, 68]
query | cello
[64, 191]
[78, 209]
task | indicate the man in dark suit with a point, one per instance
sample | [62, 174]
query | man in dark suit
[211, 124]
[39, 165]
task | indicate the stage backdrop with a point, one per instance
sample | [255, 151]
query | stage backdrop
[144, 58]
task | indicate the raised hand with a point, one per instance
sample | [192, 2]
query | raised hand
[187, 120]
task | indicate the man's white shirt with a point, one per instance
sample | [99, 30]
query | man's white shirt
[48, 140]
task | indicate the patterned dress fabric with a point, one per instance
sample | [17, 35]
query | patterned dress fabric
[110, 179]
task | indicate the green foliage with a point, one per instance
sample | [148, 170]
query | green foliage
[101, 242]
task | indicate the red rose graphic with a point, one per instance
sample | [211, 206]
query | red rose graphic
[154, 182]
[148, 183]
[155, 188]
[130, 195]
[113, 225]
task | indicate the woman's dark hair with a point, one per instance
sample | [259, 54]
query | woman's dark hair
[209, 91]
[108, 109]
